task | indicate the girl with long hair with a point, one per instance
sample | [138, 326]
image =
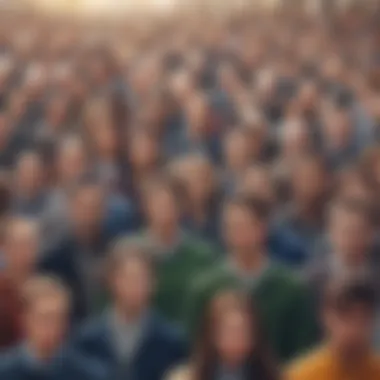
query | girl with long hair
[231, 345]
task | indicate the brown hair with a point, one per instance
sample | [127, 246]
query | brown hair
[343, 294]
[41, 286]
[260, 363]
[129, 248]
[257, 208]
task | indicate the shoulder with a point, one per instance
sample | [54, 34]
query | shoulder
[216, 277]
[10, 362]
[312, 365]
[202, 249]
[180, 373]
[376, 365]
[90, 332]
[166, 332]
[285, 277]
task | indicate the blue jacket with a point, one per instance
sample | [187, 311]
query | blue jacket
[18, 365]
[161, 348]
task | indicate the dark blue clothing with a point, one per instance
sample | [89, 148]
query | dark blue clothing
[291, 240]
[17, 364]
[33, 207]
[160, 348]
[67, 261]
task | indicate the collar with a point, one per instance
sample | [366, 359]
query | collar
[162, 250]
[252, 278]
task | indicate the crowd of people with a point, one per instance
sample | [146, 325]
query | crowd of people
[190, 198]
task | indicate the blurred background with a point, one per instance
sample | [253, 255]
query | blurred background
[186, 159]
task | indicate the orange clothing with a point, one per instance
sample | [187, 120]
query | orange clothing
[324, 365]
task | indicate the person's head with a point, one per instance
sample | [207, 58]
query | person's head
[245, 223]
[87, 206]
[29, 174]
[338, 128]
[72, 160]
[131, 276]
[309, 180]
[349, 310]
[56, 113]
[231, 336]
[350, 228]
[257, 182]
[197, 112]
[105, 140]
[237, 149]
[162, 198]
[295, 138]
[197, 175]
[370, 165]
[5, 129]
[17, 104]
[353, 183]
[46, 313]
[144, 149]
[21, 244]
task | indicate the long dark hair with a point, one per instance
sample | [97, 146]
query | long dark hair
[259, 363]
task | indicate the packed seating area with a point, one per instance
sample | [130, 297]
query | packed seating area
[191, 197]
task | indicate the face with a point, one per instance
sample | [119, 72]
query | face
[257, 183]
[351, 331]
[199, 181]
[56, 113]
[350, 235]
[47, 321]
[72, 162]
[132, 284]
[308, 182]
[233, 337]
[197, 114]
[162, 208]
[243, 232]
[296, 139]
[237, 150]
[105, 140]
[29, 174]
[21, 247]
[143, 151]
[88, 208]
[5, 129]
[337, 128]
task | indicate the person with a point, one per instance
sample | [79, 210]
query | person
[20, 249]
[339, 143]
[77, 258]
[230, 344]
[282, 298]
[29, 177]
[203, 196]
[301, 225]
[43, 353]
[348, 316]
[258, 182]
[350, 248]
[237, 155]
[180, 255]
[130, 339]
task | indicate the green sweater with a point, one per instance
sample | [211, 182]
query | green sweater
[175, 273]
[283, 302]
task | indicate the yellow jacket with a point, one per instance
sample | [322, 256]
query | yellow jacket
[323, 365]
